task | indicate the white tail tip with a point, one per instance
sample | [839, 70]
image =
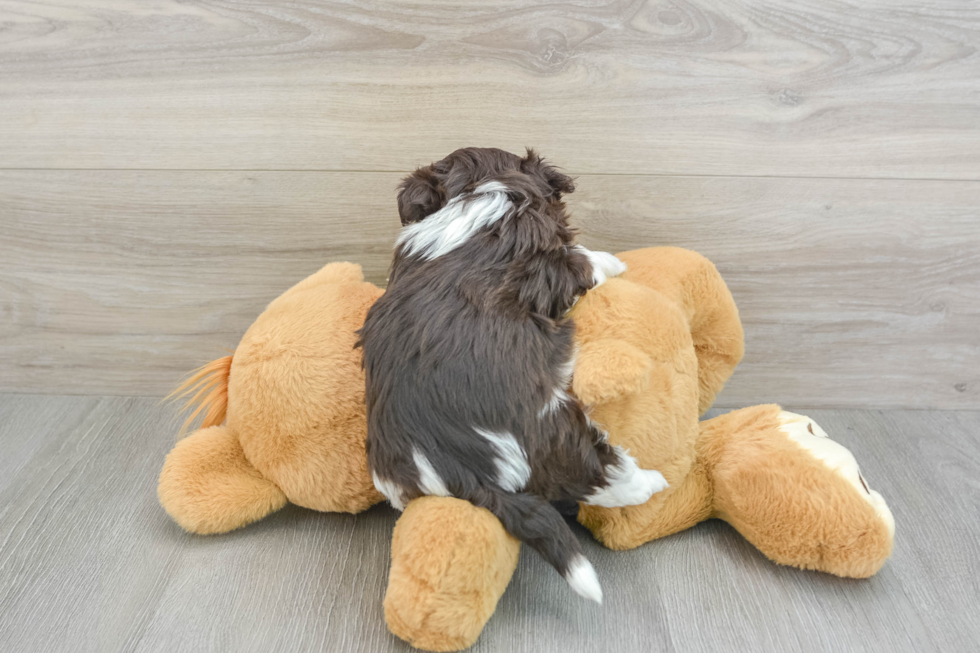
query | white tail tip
[582, 579]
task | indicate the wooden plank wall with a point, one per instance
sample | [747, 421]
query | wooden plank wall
[166, 169]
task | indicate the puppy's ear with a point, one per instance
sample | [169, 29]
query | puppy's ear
[420, 195]
[532, 163]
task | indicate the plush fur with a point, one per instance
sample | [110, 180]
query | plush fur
[470, 574]
[296, 421]
[654, 347]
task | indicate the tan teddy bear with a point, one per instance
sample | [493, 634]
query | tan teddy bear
[285, 421]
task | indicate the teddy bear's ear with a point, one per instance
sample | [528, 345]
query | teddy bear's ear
[607, 369]
[420, 195]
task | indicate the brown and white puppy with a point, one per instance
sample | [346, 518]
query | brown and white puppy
[469, 355]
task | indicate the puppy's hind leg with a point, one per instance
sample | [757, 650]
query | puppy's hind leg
[624, 483]
[582, 466]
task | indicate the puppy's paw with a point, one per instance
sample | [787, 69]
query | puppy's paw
[627, 484]
[647, 483]
[654, 480]
[605, 266]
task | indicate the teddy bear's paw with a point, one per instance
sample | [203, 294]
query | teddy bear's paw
[807, 434]
[628, 485]
[450, 564]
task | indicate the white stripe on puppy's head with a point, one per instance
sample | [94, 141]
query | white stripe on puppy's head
[455, 223]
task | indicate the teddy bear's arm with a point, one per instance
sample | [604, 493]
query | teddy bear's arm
[607, 369]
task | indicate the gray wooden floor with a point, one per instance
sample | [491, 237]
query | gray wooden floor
[90, 562]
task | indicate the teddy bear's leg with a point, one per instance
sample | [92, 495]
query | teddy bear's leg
[450, 563]
[669, 512]
[208, 486]
[693, 283]
[794, 493]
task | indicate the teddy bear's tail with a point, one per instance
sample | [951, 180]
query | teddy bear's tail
[207, 485]
[209, 385]
[538, 524]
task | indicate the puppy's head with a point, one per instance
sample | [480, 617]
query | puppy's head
[532, 184]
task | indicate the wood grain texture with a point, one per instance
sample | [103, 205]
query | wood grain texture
[853, 292]
[789, 88]
[90, 562]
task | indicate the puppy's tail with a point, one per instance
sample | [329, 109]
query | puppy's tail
[538, 524]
